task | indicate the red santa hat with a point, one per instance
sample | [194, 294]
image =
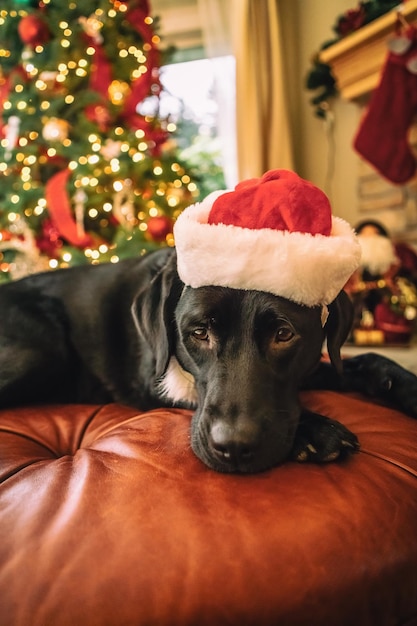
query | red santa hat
[273, 234]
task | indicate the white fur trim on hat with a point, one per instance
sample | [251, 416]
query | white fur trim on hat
[307, 269]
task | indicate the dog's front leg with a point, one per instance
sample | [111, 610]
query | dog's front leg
[373, 375]
[320, 439]
[379, 377]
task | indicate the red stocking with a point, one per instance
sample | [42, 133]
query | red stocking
[382, 138]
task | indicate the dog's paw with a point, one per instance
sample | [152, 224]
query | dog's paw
[321, 440]
[382, 378]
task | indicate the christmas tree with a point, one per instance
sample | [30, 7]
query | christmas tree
[86, 173]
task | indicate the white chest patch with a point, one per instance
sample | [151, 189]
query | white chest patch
[177, 384]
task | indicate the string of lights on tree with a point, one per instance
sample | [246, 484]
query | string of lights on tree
[86, 173]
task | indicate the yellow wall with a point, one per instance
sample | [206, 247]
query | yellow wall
[305, 25]
[313, 25]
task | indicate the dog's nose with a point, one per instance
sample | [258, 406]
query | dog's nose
[234, 445]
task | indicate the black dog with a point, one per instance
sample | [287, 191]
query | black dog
[133, 333]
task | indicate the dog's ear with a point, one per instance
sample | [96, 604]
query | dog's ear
[153, 310]
[338, 326]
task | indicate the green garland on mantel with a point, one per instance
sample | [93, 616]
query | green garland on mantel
[320, 78]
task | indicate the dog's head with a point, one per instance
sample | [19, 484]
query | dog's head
[240, 357]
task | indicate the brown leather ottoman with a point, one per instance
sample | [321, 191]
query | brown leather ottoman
[107, 518]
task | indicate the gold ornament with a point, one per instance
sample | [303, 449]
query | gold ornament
[92, 27]
[118, 92]
[111, 149]
[406, 299]
[49, 78]
[123, 203]
[55, 129]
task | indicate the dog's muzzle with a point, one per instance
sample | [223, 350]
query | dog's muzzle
[242, 447]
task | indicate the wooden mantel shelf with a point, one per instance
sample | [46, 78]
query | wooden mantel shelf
[356, 60]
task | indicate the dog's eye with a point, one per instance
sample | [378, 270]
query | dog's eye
[283, 334]
[201, 334]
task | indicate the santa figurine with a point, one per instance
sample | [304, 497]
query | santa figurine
[383, 289]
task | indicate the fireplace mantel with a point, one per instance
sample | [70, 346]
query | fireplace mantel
[356, 60]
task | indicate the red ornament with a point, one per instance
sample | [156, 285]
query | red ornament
[33, 30]
[5, 235]
[159, 227]
[99, 114]
[49, 241]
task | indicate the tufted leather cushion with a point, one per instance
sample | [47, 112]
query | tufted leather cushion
[108, 519]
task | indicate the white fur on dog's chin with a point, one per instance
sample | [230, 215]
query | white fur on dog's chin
[177, 384]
